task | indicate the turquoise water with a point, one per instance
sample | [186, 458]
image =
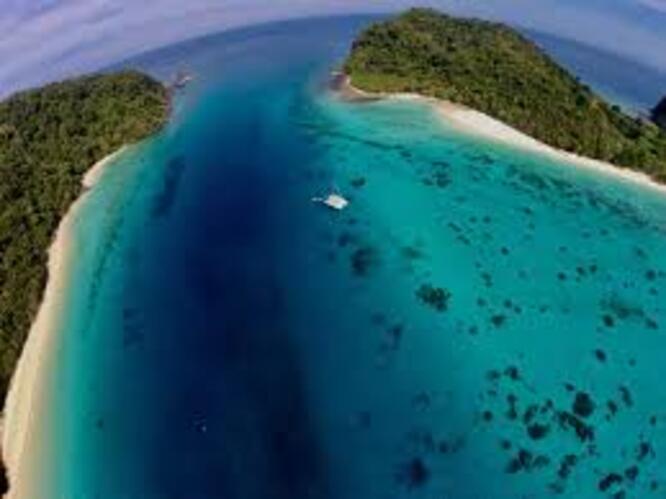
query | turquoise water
[479, 323]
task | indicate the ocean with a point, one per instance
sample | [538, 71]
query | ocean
[478, 323]
[632, 85]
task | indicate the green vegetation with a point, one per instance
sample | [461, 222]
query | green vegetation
[48, 139]
[494, 69]
[659, 113]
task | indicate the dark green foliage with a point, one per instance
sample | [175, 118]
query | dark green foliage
[659, 113]
[493, 68]
[48, 139]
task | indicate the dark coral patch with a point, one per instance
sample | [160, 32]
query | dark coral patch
[626, 396]
[435, 297]
[583, 431]
[498, 320]
[566, 465]
[358, 182]
[583, 405]
[526, 461]
[608, 320]
[631, 473]
[609, 480]
[363, 260]
[415, 474]
[538, 431]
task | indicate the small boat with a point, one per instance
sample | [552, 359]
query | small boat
[333, 200]
[182, 80]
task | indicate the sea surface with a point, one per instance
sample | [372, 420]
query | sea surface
[632, 85]
[479, 323]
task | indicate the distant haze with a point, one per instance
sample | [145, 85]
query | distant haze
[44, 40]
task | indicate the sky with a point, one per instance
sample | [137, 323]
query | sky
[45, 40]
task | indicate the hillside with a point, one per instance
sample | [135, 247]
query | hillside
[48, 139]
[494, 69]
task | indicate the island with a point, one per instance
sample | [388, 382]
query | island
[659, 114]
[49, 138]
[494, 69]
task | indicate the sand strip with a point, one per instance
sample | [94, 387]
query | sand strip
[25, 426]
[476, 123]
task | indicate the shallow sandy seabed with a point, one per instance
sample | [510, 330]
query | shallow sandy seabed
[477, 123]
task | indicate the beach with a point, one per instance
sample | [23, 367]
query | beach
[473, 122]
[24, 430]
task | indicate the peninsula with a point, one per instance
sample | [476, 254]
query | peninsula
[495, 70]
[49, 139]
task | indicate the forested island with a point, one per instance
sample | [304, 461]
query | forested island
[496, 70]
[49, 138]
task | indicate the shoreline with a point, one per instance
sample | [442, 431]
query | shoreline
[476, 123]
[26, 400]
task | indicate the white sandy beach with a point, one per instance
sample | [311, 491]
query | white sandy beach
[474, 122]
[25, 428]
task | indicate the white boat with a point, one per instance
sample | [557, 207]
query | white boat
[182, 80]
[333, 200]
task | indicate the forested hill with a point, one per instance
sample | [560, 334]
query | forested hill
[494, 69]
[48, 139]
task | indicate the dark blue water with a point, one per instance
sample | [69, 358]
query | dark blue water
[208, 389]
[227, 338]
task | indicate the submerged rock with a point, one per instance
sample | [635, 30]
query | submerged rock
[626, 396]
[608, 320]
[644, 450]
[651, 324]
[583, 431]
[435, 297]
[609, 480]
[631, 473]
[526, 461]
[452, 445]
[512, 413]
[411, 253]
[600, 355]
[538, 431]
[513, 373]
[358, 182]
[522, 461]
[583, 405]
[363, 260]
[422, 401]
[414, 474]
[498, 320]
[566, 465]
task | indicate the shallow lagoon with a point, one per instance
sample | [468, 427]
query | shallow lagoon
[225, 337]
